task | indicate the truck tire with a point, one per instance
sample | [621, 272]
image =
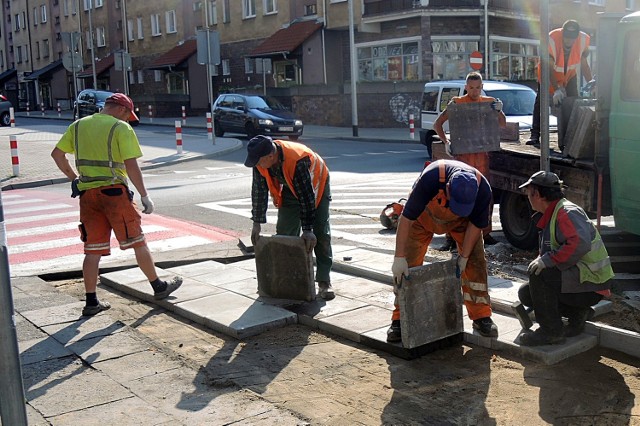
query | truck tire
[517, 225]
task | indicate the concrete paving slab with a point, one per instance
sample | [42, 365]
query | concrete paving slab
[247, 287]
[24, 301]
[55, 314]
[309, 313]
[430, 304]
[44, 382]
[137, 365]
[107, 347]
[189, 290]
[195, 269]
[618, 339]
[84, 328]
[355, 287]
[42, 349]
[284, 268]
[383, 299]
[128, 411]
[353, 323]
[229, 274]
[27, 331]
[235, 315]
[129, 276]
[248, 264]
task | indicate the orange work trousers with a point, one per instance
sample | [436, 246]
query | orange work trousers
[479, 160]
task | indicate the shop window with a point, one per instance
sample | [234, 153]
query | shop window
[395, 62]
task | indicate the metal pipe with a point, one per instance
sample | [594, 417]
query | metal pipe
[487, 49]
[544, 85]
[125, 43]
[354, 72]
[93, 55]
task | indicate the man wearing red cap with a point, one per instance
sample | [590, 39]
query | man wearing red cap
[106, 150]
[448, 197]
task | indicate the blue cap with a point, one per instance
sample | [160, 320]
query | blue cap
[463, 189]
[257, 148]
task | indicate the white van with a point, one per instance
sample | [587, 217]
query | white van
[517, 102]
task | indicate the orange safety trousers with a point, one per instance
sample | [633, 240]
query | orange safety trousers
[438, 219]
[479, 160]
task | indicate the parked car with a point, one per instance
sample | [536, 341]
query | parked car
[5, 117]
[517, 102]
[91, 101]
[254, 115]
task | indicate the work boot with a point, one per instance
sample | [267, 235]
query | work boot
[486, 327]
[489, 240]
[172, 286]
[577, 320]
[449, 245]
[533, 140]
[540, 338]
[394, 333]
[325, 291]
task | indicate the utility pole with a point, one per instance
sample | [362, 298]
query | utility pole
[125, 43]
[544, 85]
[93, 54]
[354, 72]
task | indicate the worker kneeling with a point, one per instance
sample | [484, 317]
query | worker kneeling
[448, 197]
[572, 271]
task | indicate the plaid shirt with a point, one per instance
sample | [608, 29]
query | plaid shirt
[302, 187]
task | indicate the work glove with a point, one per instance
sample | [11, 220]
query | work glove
[309, 240]
[148, 204]
[75, 192]
[461, 265]
[399, 268]
[447, 149]
[559, 95]
[496, 105]
[536, 266]
[255, 233]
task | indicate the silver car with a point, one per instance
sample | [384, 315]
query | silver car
[5, 117]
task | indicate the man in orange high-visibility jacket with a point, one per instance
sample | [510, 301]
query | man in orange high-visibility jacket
[479, 160]
[298, 180]
[568, 52]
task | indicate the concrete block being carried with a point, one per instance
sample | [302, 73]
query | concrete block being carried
[284, 268]
[430, 304]
[474, 128]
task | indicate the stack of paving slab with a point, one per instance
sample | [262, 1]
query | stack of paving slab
[225, 298]
[579, 138]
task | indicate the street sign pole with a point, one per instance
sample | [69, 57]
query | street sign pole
[124, 74]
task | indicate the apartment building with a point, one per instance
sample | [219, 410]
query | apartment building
[296, 50]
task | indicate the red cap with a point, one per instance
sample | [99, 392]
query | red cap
[125, 101]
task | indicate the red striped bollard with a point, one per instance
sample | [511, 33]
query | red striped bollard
[209, 127]
[59, 110]
[412, 130]
[28, 113]
[15, 161]
[179, 136]
[42, 108]
[150, 108]
[12, 116]
[184, 115]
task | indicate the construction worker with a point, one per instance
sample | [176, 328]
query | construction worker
[298, 180]
[568, 52]
[106, 150]
[479, 160]
[572, 271]
[449, 196]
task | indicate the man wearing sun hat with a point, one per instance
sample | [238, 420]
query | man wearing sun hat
[448, 197]
[106, 150]
[568, 52]
[572, 271]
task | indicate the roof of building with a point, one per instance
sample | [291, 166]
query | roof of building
[287, 39]
[44, 71]
[175, 56]
[102, 65]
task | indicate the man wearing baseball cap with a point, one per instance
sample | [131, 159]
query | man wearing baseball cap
[572, 271]
[568, 53]
[448, 197]
[106, 150]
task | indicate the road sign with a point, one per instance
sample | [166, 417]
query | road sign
[211, 40]
[476, 60]
[72, 61]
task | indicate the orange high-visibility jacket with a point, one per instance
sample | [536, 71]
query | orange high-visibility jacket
[291, 153]
[556, 50]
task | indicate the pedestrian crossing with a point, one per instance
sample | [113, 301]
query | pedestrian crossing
[42, 233]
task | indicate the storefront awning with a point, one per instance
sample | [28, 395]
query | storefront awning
[45, 71]
[7, 74]
[102, 65]
[175, 56]
[287, 39]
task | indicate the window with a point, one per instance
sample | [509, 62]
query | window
[310, 9]
[451, 57]
[597, 2]
[130, 29]
[35, 16]
[43, 13]
[74, 7]
[176, 83]
[37, 50]
[629, 88]
[248, 66]
[65, 7]
[212, 14]
[45, 48]
[16, 23]
[513, 59]
[157, 75]
[170, 18]
[140, 77]
[270, 6]
[99, 3]
[131, 76]
[23, 20]
[140, 32]
[226, 12]
[155, 25]
[226, 68]
[248, 9]
[394, 61]
[630, 4]
[26, 53]
[87, 5]
[337, 1]
[19, 54]
[100, 37]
